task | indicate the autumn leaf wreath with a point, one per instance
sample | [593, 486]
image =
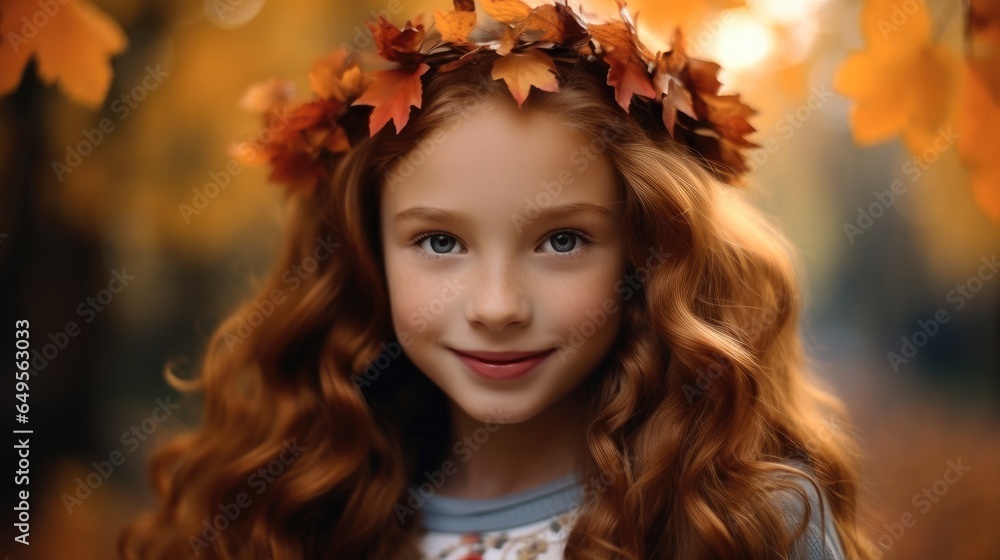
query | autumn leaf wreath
[527, 41]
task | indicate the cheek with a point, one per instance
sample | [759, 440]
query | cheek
[414, 298]
[402, 290]
[591, 305]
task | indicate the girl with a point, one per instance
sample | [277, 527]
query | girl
[510, 328]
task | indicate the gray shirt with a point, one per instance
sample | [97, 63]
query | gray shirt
[443, 514]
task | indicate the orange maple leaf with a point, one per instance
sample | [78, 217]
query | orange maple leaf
[903, 83]
[71, 40]
[522, 70]
[391, 93]
[455, 25]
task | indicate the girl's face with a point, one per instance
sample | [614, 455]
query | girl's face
[501, 232]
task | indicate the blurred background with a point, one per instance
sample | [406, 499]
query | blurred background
[127, 231]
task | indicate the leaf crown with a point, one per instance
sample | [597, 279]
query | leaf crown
[305, 138]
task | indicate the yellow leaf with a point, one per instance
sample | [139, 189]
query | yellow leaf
[454, 26]
[506, 11]
[903, 83]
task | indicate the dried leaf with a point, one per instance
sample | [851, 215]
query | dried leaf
[729, 117]
[391, 93]
[543, 24]
[72, 47]
[303, 141]
[522, 70]
[620, 39]
[704, 76]
[674, 61]
[338, 76]
[398, 45]
[612, 37]
[726, 114]
[507, 41]
[668, 81]
[456, 24]
[629, 77]
[637, 45]
[676, 98]
[506, 11]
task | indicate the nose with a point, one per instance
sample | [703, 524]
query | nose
[497, 297]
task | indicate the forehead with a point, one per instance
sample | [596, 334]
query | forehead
[498, 159]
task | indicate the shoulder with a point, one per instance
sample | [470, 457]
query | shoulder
[820, 540]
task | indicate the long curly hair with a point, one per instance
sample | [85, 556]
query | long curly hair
[315, 423]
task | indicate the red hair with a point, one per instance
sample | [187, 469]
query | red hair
[697, 409]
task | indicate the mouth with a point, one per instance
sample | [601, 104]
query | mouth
[502, 365]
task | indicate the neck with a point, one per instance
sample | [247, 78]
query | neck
[519, 456]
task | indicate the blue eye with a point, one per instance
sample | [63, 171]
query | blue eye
[567, 239]
[564, 242]
[438, 241]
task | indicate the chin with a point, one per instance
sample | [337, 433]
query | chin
[499, 411]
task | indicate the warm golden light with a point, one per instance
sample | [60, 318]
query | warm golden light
[744, 43]
[784, 11]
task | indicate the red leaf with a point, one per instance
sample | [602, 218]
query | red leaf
[629, 77]
[391, 94]
[398, 45]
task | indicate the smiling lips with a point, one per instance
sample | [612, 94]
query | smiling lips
[502, 365]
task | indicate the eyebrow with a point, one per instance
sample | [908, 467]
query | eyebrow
[458, 217]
